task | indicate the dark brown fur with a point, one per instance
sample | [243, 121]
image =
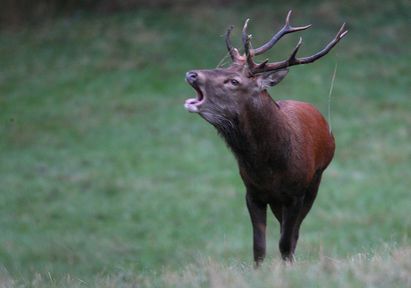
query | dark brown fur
[282, 148]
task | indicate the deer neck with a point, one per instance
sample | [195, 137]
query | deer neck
[259, 133]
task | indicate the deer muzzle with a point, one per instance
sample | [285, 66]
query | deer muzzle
[193, 104]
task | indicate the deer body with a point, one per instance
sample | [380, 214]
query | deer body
[286, 146]
[282, 148]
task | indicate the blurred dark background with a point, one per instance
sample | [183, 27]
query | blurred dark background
[14, 13]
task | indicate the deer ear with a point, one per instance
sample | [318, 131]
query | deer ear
[272, 78]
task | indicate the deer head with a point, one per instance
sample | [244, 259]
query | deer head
[222, 92]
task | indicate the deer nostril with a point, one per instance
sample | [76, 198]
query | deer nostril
[191, 76]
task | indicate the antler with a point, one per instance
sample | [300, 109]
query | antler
[235, 55]
[293, 60]
[287, 28]
[255, 68]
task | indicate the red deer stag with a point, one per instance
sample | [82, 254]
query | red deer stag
[282, 147]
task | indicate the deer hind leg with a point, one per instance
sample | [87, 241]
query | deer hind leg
[258, 215]
[308, 201]
[289, 228]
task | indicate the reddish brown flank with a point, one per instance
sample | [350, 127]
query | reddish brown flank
[282, 147]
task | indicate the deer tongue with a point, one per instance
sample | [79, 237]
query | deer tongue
[192, 104]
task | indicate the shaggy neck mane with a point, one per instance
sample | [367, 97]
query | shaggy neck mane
[256, 131]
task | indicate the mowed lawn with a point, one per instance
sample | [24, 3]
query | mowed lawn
[105, 179]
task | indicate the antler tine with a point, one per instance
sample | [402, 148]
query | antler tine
[293, 60]
[245, 37]
[341, 33]
[287, 28]
[234, 54]
[292, 57]
[247, 46]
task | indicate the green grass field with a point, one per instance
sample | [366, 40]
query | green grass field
[106, 181]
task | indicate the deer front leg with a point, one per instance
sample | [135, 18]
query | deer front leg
[289, 229]
[258, 215]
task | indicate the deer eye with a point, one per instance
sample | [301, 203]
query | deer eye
[234, 82]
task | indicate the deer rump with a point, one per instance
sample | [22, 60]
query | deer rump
[282, 147]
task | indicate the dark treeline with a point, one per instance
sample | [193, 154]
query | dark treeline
[23, 12]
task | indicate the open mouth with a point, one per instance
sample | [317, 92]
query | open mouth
[193, 104]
